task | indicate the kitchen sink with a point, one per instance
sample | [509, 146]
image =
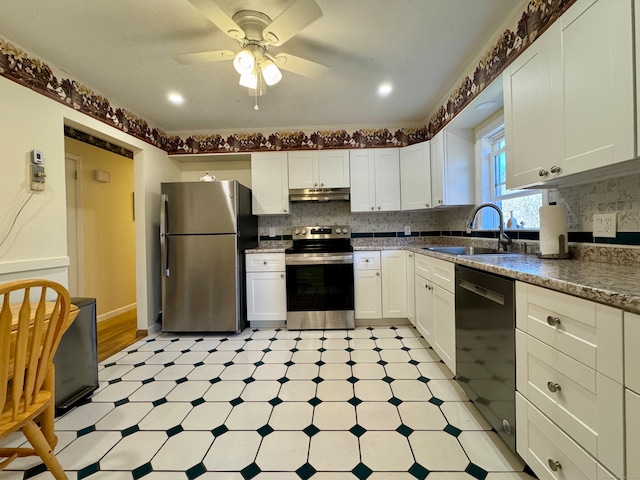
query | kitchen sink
[466, 250]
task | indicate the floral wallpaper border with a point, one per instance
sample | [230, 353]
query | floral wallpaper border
[96, 142]
[30, 72]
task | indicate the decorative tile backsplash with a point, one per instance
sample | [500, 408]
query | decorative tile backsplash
[621, 195]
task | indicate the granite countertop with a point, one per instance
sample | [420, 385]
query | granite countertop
[606, 283]
[614, 285]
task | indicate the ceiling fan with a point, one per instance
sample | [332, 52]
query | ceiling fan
[257, 33]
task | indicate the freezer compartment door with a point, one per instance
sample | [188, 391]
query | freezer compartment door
[202, 291]
[199, 207]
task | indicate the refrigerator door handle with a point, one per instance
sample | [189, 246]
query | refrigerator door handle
[164, 240]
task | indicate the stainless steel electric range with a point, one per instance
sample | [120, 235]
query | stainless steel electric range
[320, 278]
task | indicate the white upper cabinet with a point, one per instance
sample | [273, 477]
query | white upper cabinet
[532, 111]
[269, 183]
[415, 176]
[569, 97]
[598, 76]
[375, 179]
[452, 168]
[319, 169]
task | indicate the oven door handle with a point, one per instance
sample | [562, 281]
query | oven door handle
[320, 260]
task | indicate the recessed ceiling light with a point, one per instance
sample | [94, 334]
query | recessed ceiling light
[486, 105]
[384, 89]
[176, 98]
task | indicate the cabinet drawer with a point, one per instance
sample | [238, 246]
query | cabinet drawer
[443, 273]
[633, 433]
[541, 444]
[589, 332]
[423, 266]
[587, 405]
[265, 262]
[366, 260]
[632, 351]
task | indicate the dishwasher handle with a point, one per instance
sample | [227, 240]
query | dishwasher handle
[482, 291]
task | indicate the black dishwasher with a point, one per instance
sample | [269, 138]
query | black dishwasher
[485, 346]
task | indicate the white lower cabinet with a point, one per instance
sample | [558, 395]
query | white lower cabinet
[632, 392]
[394, 288]
[444, 319]
[367, 285]
[570, 409]
[632, 405]
[550, 452]
[411, 291]
[266, 288]
[435, 306]
[380, 284]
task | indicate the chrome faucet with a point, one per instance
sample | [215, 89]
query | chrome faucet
[503, 239]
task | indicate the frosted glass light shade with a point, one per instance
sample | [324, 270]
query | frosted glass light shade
[249, 80]
[244, 62]
[270, 72]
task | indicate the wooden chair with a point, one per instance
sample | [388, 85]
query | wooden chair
[30, 331]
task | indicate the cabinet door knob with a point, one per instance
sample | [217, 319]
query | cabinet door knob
[554, 169]
[372, 208]
[264, 263]
[322, 184]
[410, 255]
[553, 387]
[554, 465]
[542, 172]
[377, 274]
[378, 208]
[553, 321]
[366, 260]
[282, 275]
[426, 205]
[315, 184]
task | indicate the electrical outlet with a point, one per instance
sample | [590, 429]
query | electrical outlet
[407, 230]
[272, 231]
[605, 225]
[37, 177]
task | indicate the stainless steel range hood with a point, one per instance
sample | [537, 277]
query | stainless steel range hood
[319, 194]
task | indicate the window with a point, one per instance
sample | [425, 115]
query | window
[520, 207]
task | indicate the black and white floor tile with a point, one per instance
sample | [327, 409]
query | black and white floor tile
[369, 403]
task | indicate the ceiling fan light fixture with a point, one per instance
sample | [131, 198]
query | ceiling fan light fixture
[270, 72]
[245, 62]
[249, 80]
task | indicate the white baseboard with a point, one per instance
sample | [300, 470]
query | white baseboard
[116, 312]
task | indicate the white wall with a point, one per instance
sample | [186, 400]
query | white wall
[37, 244]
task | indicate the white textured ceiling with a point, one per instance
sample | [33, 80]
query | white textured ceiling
[123, 50]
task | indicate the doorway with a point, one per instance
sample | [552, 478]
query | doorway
[101, 237]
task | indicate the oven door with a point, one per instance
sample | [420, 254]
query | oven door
[320, 291]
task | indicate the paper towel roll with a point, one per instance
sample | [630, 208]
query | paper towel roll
[553, 223]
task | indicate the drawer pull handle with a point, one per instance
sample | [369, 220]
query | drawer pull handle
[554, 465]
[554, 169]
[553, 321]
[542, 172]
[553, 387]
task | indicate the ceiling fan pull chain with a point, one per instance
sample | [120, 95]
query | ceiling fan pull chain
[255, 95]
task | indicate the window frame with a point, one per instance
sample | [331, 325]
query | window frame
[486, 134]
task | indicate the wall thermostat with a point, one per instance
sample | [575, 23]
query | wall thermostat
[37, 157]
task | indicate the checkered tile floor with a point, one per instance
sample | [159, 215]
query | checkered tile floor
[369, 403]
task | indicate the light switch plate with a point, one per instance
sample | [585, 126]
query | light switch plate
[605, 225]
[407, 230]
[272, 231]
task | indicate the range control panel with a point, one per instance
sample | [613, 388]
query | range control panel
[316, 233]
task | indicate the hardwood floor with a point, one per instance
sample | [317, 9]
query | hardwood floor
[117, 333]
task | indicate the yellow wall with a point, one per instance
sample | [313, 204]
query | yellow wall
[108, 229]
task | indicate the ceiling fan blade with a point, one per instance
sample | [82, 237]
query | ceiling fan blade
[301, 66]
[204, 57]
[219, 18]
[291, 21]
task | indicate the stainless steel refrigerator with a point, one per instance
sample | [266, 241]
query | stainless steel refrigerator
[204, 229]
